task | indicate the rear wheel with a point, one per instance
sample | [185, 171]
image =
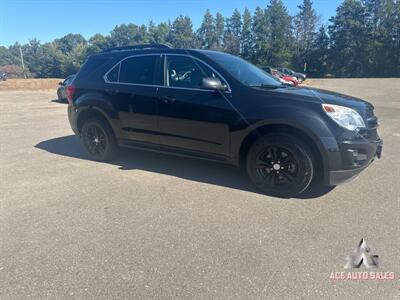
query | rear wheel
[59, 96]
[280, 165]
[98, 139]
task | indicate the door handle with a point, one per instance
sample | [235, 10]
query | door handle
[168, 99]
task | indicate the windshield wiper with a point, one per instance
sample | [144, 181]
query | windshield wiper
[267, 86]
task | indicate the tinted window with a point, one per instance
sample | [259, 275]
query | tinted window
[113, 74]
[184, 71]
[138, 69]
[91, 66]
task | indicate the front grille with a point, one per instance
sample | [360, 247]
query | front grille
[369, 111]
[371, 123]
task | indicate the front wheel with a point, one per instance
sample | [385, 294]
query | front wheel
[280, 165]
[98, 139]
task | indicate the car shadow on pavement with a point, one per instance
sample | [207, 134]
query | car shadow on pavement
[187, 168]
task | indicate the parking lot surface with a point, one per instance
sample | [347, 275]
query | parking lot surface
[156, 226]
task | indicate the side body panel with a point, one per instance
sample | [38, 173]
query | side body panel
[195, 120]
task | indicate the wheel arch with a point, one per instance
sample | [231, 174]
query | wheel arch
[305, 135]
[92, 104]
[89, 113]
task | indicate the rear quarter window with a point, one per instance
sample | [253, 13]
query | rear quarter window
[138, 69]
[113, 74]
[92, 65]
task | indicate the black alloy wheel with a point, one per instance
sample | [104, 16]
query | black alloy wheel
[280, 165]
[95, 140]
[98, 139]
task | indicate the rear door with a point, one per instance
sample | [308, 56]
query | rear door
[189, 116]
[134, 95]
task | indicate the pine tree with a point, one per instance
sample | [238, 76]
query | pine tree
[279, 39]
[305, 24]
[68, 42]
[260, 32]
[96, 43]
[391, 29]
[247, 38]
[181, 35]
[233, 32]
[349, 33]
[159, 33]
[383, 26]
[317, 65]
[126, 34]
[206, 34]
[219, 30]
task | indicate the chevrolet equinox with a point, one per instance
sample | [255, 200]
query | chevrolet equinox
[216, 106]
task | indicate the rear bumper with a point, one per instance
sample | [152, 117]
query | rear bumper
[356, 157]
[72, 119]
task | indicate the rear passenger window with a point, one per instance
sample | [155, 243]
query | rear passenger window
[139, 69]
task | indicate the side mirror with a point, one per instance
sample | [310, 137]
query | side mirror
[212, 83]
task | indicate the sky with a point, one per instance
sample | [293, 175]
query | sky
[22, 20]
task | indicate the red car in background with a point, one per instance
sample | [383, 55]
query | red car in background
[285, 77]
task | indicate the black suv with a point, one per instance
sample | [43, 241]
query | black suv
[216, 106]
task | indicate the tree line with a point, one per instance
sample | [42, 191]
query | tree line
[361, 40]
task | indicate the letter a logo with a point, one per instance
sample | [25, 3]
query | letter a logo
[362, 256]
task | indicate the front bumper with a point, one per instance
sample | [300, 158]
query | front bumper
[356, 156]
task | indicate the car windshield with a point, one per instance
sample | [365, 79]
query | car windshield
[243, 71]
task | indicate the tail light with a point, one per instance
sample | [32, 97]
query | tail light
[70, 93]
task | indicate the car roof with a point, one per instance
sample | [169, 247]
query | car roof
[130, 52]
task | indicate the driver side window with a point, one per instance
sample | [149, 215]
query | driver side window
[186, 72]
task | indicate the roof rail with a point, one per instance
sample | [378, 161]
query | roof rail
[138, 47]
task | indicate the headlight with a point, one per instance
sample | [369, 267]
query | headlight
[344, 116]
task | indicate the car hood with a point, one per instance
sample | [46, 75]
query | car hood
[324, 96]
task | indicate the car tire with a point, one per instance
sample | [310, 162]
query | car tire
[59, 96]
[98, 139]
[280, 165]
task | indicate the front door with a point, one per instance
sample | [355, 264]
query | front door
[191, 117]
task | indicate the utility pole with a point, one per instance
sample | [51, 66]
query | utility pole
[22, 61]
